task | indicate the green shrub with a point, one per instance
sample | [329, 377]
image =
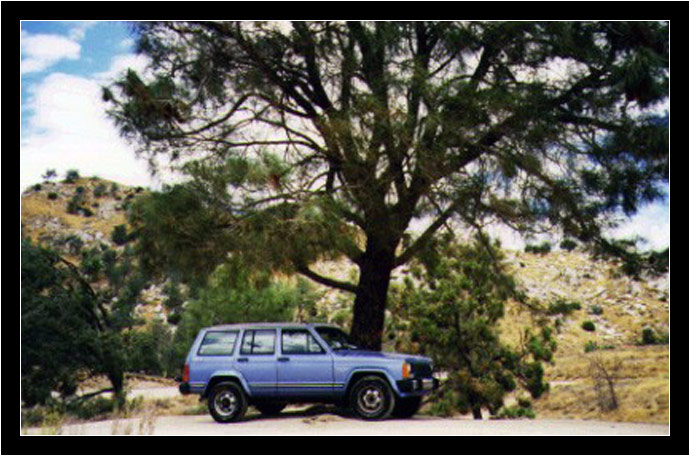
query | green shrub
[99, 190]
[591, 346]
[37, 187]
[71, 176]
[543, 248]
[96, 407]
[595, 310]
[568, 244]
[119, 235]
[515, 412]
[73, 205]
[52, 196]
[651, 337]
[588, 326]
[563, 307]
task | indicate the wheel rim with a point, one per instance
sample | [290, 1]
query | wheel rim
[225, 403]
[371, 399]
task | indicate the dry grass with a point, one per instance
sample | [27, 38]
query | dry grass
[642, 386]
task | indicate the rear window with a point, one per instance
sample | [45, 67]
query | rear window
[218, 343]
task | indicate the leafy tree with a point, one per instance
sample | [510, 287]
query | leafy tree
[453, 306]
[313, 140]
[65, 330]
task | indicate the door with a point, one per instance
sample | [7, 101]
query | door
[305, 369]
[257, 361]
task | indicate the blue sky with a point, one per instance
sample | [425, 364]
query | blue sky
[64, 126]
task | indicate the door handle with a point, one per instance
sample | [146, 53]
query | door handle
[242, 360]
[283, 359]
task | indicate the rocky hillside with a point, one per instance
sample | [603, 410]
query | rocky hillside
[86, 211]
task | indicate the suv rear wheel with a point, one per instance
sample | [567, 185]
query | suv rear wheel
[371, 398]
[227, 402]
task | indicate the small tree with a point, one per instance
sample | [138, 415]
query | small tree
[454, 312]
[71, 176]
[64, 329]
[50, 174]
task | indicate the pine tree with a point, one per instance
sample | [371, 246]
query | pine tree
[315, 140]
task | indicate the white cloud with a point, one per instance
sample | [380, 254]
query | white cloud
[120, 64]
[652, 223]
[41, 51]
[68, 128]
[78, 29]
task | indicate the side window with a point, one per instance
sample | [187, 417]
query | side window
[218, 343]
[258, 342]
[299, 341]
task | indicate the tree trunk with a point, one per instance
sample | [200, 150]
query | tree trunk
[476, 412]
[370, 298]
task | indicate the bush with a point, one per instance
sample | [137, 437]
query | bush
[588, 326]
[568, 244]
[543, 248]
[73, 205]
[591, 346]
[511, 413]
[652, 337]
[119, 235]
[52, 196]
[99, 190]
[37, 187]
[563, 307]
[595, 310]
[71, 176]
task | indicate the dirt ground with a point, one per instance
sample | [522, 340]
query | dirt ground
[305, 422]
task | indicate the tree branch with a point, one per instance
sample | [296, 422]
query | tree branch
[345, 286]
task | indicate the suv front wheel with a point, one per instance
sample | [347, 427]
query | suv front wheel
[227, 402]
[371, 398]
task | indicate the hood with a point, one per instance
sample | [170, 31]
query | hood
[385, 355]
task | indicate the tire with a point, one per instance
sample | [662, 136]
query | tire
[227, 402]
[270, 408]
[371, 398]
[407, 407]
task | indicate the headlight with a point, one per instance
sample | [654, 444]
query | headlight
[406, 369]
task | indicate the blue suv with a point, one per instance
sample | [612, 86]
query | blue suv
[269, 365]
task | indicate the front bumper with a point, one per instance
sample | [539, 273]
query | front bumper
[414, 385]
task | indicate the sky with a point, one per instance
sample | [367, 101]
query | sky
[64, 124]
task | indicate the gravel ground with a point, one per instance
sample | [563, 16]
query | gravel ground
[302, 423]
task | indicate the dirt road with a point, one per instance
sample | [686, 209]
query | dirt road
[301, 422]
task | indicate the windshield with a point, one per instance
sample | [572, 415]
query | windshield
[336, 338]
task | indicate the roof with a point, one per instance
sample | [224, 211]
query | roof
[289, 324]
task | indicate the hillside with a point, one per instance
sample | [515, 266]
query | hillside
[620, 308]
